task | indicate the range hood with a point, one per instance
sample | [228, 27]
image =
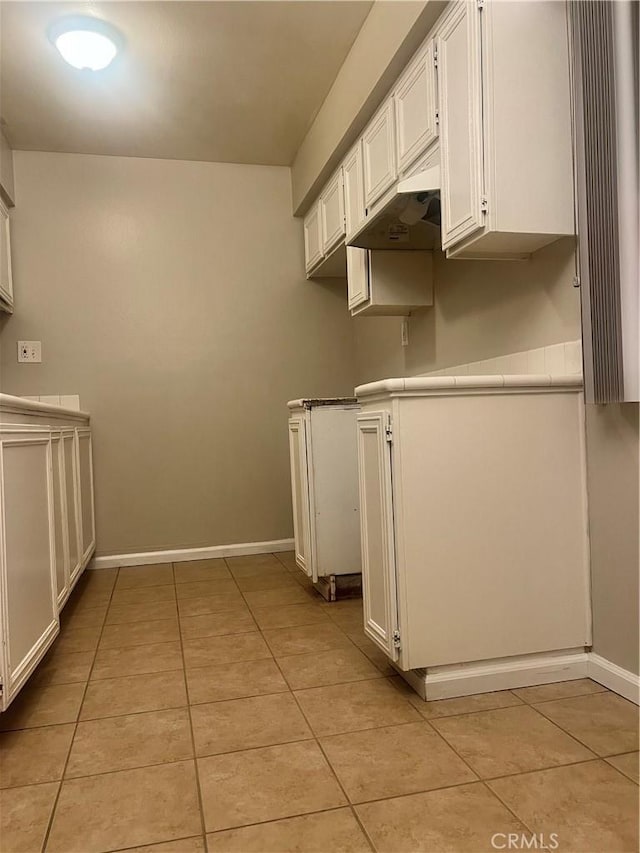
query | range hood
[408, 217]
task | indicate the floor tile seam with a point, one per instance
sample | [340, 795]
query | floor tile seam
[155, 844]
[276, 819]
[193, 742]
[568, 733]
[127, 769]
[562, 698]
[136, 645]
[134, 713]
[346, 795]
[340, 683]
[54, 808]
[230, 634]
[94, 680]
[242, 749]
[238, 698]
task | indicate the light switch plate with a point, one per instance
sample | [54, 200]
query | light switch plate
[30, 352]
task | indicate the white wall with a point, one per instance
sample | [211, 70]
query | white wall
[171, 296]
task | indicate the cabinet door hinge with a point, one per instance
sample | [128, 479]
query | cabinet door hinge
[388, 432]
[435, 56]
[437, 116]
[484, 204]
[480, 4]
[396, 639]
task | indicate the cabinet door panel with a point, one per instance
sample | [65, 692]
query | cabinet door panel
[312, 237]
[85, 479]
[379, 154]
[357, 276]
[72, 497]
[6, 278]
[354, 206]
[60, 517]
[460, 104]
[300, 492]
[415, 100]
[29, 600]
[376, 518]
[332, 213]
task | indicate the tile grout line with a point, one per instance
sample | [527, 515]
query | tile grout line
[54, 808]
[331, 768]
[317, 742]
[193, 740]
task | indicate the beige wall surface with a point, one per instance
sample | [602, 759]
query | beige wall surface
[482, 309]
[391, 33]
[612, 469]
[171, 296]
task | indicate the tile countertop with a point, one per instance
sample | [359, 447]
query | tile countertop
[484, 383]
[23, 406]
[312, 402]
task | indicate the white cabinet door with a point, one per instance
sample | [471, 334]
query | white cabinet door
[460, 105]
[85, 482]
[72, 499]
[379, 154]
[357, 276]
[60, 518]
[377, 533]
[6, 279]
[415, 101]
[313, 237]
[332, 213]
[354, 208]
[300, 492]
[27, 557]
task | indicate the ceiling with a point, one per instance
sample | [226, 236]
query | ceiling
[222, 81]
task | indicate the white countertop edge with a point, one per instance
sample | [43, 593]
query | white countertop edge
[413, 384]
[20, 405]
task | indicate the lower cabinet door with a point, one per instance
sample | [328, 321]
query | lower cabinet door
[72, 501]
[377, 532]
[62, 567]
[27, 557]
[300, 492]
[85, 479]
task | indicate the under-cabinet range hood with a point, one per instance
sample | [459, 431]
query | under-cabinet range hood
[408, 217]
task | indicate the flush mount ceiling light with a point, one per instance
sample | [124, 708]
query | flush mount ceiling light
[85, 42]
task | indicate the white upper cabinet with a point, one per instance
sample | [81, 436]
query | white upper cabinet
[379, 154]
[332, 213]
[6, 280]
[313, 253]
[415, 106]
[458, 46]
[354, 208]
[505, 128]
[357, 276]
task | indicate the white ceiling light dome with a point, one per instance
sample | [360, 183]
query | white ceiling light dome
[85, 42]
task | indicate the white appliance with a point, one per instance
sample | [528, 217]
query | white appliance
[324, 491]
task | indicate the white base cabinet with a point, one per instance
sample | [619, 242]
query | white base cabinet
[47, 529]
[473, 518]
[324, 486]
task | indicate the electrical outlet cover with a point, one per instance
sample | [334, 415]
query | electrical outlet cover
[30, 352]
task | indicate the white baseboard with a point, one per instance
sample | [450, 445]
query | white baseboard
[180, 555]
[615, 678]
[447, 682]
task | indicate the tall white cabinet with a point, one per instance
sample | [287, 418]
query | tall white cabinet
[474, 529]
[47, 528]
[324, 492]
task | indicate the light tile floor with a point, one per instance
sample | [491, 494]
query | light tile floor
[224, 706]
